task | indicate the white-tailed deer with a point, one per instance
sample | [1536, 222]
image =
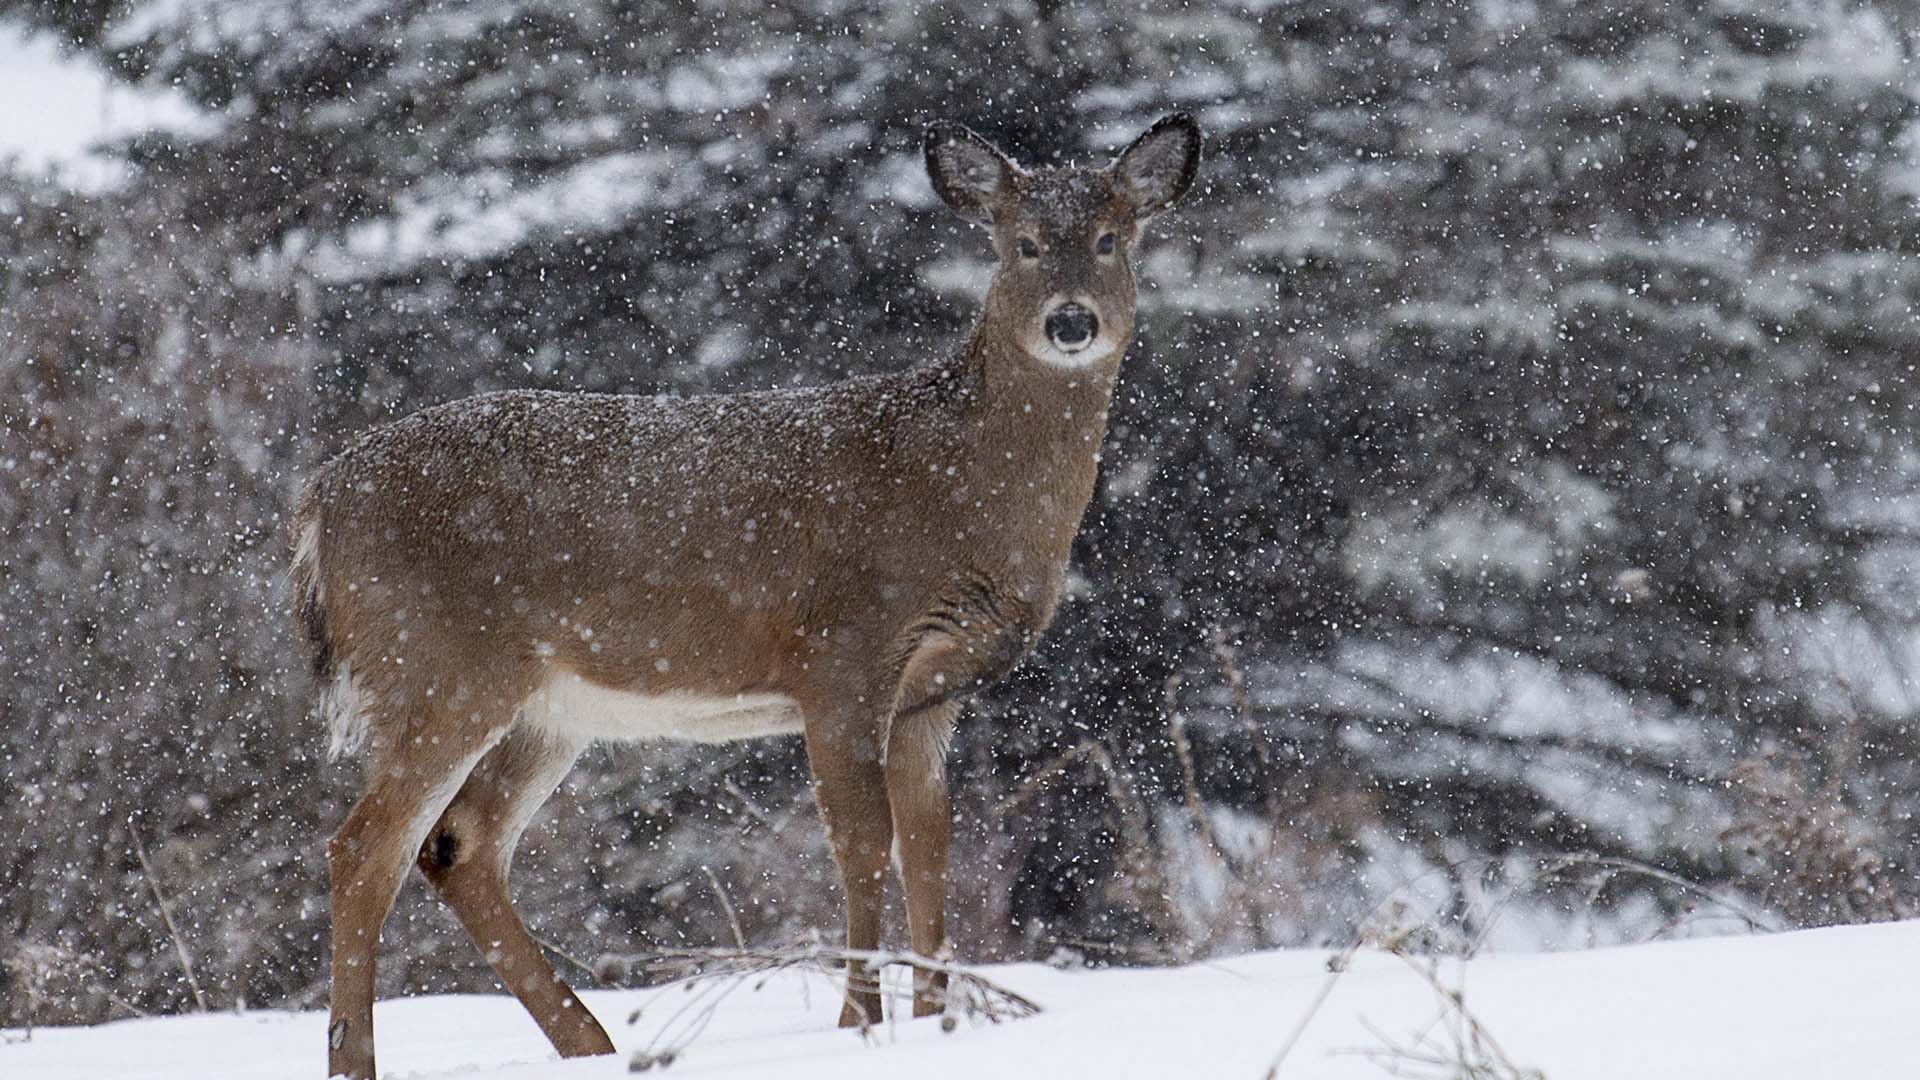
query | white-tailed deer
[494, 583]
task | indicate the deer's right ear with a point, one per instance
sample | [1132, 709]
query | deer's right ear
[968, 172]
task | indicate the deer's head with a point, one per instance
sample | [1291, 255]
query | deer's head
[1064, 288]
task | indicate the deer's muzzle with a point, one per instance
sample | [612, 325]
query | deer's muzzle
[1072, 327]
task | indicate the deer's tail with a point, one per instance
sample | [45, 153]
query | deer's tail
[342, 701]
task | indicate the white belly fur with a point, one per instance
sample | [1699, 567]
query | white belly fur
[571, 706]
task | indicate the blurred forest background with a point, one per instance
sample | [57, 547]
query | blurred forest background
[1514, 482]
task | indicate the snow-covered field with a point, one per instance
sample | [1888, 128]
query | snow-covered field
[1824, 1003]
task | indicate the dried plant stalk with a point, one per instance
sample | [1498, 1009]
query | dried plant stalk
[711, 975]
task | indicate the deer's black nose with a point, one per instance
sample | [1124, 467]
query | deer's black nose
[1072, 326]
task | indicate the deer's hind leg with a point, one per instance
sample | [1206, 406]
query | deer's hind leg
[467, 857]
[413, 777]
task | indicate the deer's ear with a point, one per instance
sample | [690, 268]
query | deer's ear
[968, 172]
[1157, 168]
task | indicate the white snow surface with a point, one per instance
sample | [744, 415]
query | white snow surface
[1834, 1003]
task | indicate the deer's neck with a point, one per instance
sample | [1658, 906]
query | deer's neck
[1033, 431]
[1052, 405]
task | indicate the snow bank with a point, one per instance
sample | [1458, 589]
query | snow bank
[1832, 1002]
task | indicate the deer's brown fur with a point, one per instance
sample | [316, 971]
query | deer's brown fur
[493, 582]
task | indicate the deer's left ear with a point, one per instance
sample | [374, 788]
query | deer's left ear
[1157, 168]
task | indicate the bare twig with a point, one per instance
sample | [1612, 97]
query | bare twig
[1753, 919]
[133, 1010]
[1229, 658]
[1138, 955]
[1474, 1054]
[33, 967]
[1189, 773]
[1134, 815]
[1470, 1052]
[711, 975]
[1337, 965]
[166, 916]
[592, 971]
[747, 804]
[726, 904]
[1034, 783]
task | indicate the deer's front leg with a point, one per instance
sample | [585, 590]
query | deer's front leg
[922, 826]
[851, 786]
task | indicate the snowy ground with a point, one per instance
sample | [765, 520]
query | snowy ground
[1834, 1003]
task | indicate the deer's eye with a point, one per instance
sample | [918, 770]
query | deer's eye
[1104, 245]
[1029, 249]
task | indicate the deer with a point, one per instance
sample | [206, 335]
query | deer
[492, 584]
